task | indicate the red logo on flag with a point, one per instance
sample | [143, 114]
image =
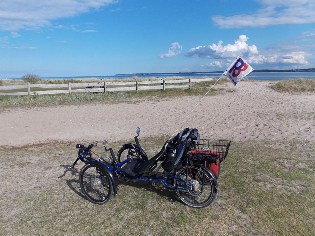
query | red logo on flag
[238, 67]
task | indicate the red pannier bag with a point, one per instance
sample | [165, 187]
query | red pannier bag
[211, 160]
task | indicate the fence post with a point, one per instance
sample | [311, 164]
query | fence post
[28, 89]
[69, 87]
[189, 80]
[137, 86]
[164, 85]
[104, 86]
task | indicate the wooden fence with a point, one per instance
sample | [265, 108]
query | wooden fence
[98, 87]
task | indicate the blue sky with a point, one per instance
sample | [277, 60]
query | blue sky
[106, 37]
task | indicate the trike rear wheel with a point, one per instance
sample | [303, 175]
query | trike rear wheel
[200, 186]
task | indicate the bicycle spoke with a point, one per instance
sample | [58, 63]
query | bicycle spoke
[95, 184]
[202, 192]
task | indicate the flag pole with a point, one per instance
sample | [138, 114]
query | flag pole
[198, 103]
[215, 83]
[239, 65]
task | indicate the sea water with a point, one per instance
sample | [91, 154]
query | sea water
[252, 76]
[255, 75]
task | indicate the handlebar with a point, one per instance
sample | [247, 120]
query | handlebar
[85, 153]
[87, 150]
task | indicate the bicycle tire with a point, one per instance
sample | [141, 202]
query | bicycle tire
[203, 187]
[96, 184]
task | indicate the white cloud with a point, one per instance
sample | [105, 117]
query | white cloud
[27, 14]
[280, 56]
[221, 55]
[5, 42]
[89, 31]
[15, 35]
[214, 64]
[240, 47]
[19, 47]
[173, 50]
[294, 58]
[76, 28]
[272, 12]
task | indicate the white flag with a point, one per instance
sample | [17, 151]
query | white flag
[237, 70]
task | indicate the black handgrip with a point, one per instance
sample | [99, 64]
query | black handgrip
[137, 140]
[79, 145]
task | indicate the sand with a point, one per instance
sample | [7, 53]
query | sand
[249, 111]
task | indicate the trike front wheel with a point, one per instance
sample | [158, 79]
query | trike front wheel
[96, 184]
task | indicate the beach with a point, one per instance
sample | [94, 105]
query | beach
[248, 111]
[266, 181]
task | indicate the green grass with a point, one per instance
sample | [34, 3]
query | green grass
[295, 86]
[265, 189]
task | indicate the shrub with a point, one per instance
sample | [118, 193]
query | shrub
[30, 78]
[1, 82]
[295, 85]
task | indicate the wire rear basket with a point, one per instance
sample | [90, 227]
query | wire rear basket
[207, 148]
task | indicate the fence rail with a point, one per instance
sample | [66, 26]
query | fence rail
[98, 87]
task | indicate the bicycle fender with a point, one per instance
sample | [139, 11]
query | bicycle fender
[113, 177]
[213, 177]
[107, 168]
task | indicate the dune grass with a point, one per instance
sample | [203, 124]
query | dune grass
[295, 86]
[108, 97]
[265, 189]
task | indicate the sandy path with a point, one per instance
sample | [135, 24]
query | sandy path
[252, 112]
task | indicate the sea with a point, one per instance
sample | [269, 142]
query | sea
[255, 75]
[252, 76]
